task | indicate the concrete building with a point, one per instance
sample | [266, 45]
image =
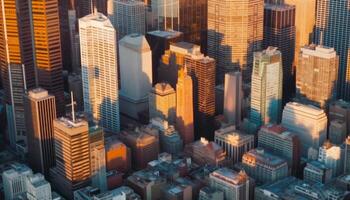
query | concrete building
[340, 109]
[233, 97]
[40, 112]
[279, 31]
[263, 166]
[98, 45]
[204, 152]
[72, 155]
[144, 145]
[266, 89]
[347, 156]
[93, 193]
[331, 31]
[127, 16]
[332, 156]
[279, 141]
[307, 122]
[38, 188]
[234, 142]
[236, 186]
[208, 193]
[317, 172]
[316, 75]
[231, 42]
[118, 155]
[14, 181]
[162, 102]
[135, 74]
[337, 132]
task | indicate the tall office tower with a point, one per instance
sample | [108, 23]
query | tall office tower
[75, 85]
[202, 70]
[317, 75]
[127, 16]
[162, 102]
[340, 110]
[281, 142]
[347, 156]
[98, 45]
[74, 38]
[160, 41]
[135, 74]
[193, 22]
[66, 56]
[15, 51]
[337, 131]
[40, 111]
[279, 31]
[234, 185]
[72, 155]
[47, 49]
[317, 172]
[97, 158]
[144, 145]
[331, 156]
[14, 180]
[38, 188]
[184, 106]
[118, 155]
[233, 97]
[165, 15]
[263, 166]
[308, 123]
[266, 91]
[332, 30]
[235, 31]
[304, 28]
[234, 142]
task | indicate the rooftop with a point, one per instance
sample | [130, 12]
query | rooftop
[136, 42]
[163, 89]
[230, 176]
[166, 34]
[318, 51]
[259, 155]
[39, 94]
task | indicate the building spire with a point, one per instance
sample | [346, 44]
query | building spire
[72, 106]
[24, 79]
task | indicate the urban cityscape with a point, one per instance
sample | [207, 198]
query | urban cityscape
[175, 100]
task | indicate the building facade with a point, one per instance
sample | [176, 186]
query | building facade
[233, 98]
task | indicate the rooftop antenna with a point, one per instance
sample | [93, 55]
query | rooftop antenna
[321, 38]
[24, 79]
[72, 105]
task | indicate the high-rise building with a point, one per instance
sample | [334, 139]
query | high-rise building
[165, 15]
[40, 111]
[347, 156]
[184, 106]
[208, 193]
[281, 142]
[135, 74]
[316, 75]
[303, 28]
[162, 102]
[127, 16]
[309, 123]
[47, 49]
[74, 39]
[16, 63]
[38, 188]
[118, 155]
[72, 155]
[264, 167]
[234, 185]
[266, 92]
[332, 30]
[75, 85]
[331, 156]
[317, 172]
[340, 110]
[235, 31]
[337, 131]
[97, 158]
[279, 31]
[98, 45]
[233, 97]
[202, 70]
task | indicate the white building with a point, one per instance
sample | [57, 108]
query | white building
[307, 122]
[266, 91]
[14, 180]
[233, 97]
[332, 156]
[98, 46]
[135, 74]
[234, 142]
[38, 188]
[127, 16]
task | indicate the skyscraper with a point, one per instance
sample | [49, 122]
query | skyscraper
[309, 123]
[162, 102]
[279, 31]
[98, 45]
[317, 75]
[135, 74]
[165, 15]
[233, 97]
[127, 16]
[331, 156]
[266, 89]
[72, 155]
[184, 106]
[47, 49]
[15, 56]
[202, 70]
[333, 30]
[235, 31]
[40, 111]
